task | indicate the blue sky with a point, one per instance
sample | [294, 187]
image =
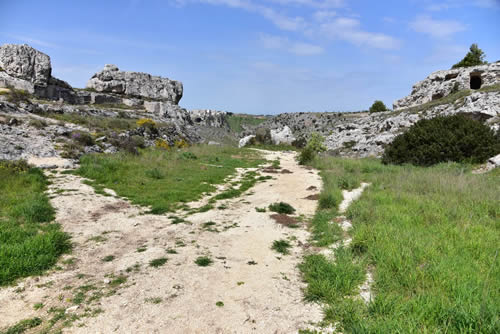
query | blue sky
[260, 56]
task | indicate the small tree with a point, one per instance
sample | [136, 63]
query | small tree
[378, 106]
[313, 147]
[474, 57]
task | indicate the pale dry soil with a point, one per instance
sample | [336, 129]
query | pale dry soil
[261, 290]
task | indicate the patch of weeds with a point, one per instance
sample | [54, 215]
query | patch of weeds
[135, 268]
[38, 306]
[69, 261]
[176, 220]
[108, 258]
[154, 300]
[171, 251]
[79, 298]
[38, 123]
[276, 164]
[158, 262]
[141, 249]
[23, 326]
[222, 207]
[118, 281]
[282, 207]
[260, 209]
[97, 238]
[180, 243]
[203, 261]
[240, 283]
[219, 304]
[281, 246]
[251, 263]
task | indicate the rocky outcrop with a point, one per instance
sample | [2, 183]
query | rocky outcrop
[443, 83]
[25, 63]
[112, 80]
[283, 136]
[209, 118]
[245, 140]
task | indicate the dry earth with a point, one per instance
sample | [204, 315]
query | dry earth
[261, 290]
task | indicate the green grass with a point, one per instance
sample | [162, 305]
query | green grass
[432, 237]
[236, 121]
[248, 181]
[29, 242]
[203, 261]
[158, 262]
[23, 325]
[183, 180]
[282, 207]
[281, 246]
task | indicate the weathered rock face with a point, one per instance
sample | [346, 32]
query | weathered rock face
[25, 63]
[210, 118]
[112, 80]
[442, 83]
[283, 136]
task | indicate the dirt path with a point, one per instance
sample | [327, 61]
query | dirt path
[260, 289]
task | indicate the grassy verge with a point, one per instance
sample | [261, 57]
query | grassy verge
[29, 242]
[162, 179]
[432, 236]
[236, 121]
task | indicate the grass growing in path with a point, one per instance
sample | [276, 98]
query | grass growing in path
[281, 246]
[203, 261]
[282, 207]
[29, 242]
[432, 236]
[182, 180]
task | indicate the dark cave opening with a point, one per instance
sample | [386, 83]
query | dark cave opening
[475, 82]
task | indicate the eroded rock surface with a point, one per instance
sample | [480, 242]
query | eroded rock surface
[112, 80]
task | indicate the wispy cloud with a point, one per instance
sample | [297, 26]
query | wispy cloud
[349, 29]
[436, 28]
[283, 43]
[33, 41]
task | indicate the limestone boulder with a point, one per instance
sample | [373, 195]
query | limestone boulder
[25, 63]
[136, 84]
[283, 136]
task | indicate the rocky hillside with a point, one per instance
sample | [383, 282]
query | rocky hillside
[474, 91]
[110, 105]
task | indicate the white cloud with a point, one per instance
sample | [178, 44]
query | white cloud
[436, 28]
[282, 43]
[323, 15]
[313, 3]
[348, 29]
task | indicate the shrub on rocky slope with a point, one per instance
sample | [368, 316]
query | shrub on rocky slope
[444, 138]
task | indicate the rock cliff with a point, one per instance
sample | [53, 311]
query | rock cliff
[112, 80]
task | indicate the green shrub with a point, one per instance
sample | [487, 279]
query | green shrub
[444, 138]
[263, 136]
[377, 106]
[282, 207]
[474, 57]
[83, 138]
[17, 96]
[37, 123]
[203, 261]
[313, 147]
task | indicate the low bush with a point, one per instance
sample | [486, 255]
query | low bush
[314, 146]
[83, 138]
[37, 123]
[445, 138]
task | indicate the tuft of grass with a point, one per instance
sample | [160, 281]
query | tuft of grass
[219, 304]
[38, 306]
[24, 325]
[154, 300]
[281, 246]
[118, 281]
[29, 242]
[158, 262]
[108, 258]
[171, 251]
[282, 207]
[260, 209]
[187, 179]
[203, 261]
